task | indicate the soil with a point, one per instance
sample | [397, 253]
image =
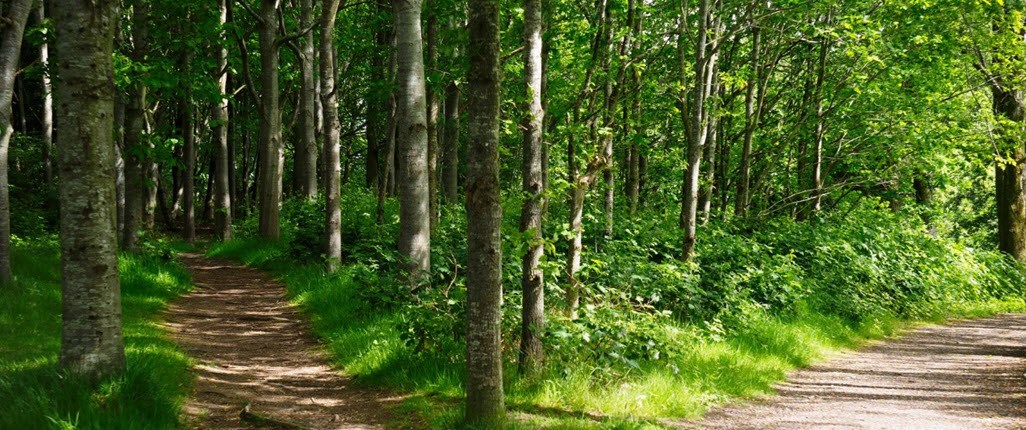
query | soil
[256, 362]
[965, 375]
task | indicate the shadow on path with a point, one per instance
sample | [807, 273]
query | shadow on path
[250, 346]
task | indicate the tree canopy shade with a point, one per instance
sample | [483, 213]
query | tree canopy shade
[578, 182]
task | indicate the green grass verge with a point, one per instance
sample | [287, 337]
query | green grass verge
[740, 365]
[36, 396]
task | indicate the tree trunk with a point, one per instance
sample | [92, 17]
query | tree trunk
[135, 179]
[189, 158]
[329, 102]
[432, 112]
[744, 180]
[705, 65]
[532, 282]
[222, 171]
[47, 114]
[414, 202]
[91, 337]
[451, 145]
[1011, 202]
[485, 404]
[10, 54]
[270, 180]
[305, 169]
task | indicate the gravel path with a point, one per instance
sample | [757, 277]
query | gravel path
[966, 375]
[252, 347]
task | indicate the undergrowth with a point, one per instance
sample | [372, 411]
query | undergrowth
[35, 395]
[656, 338]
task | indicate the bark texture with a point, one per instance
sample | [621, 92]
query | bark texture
[485, 403]
[306, 149]
[1011, 202]
[532, 281]
[414, 201]
[329, 103]
[91, 339]
[10, 53]
[271, 151]
[223, 170]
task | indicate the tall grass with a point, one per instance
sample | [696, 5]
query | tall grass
[35, 395]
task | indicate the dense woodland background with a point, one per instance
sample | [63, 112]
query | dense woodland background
[594, 196]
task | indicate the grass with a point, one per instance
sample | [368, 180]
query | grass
[36, 395]
[366, 342]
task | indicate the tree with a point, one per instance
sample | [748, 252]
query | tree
[91, 339]
[47, 114]
[136, 173]
[329, 103]
[698, 119]
[306, 147]
[223, 171]
[532, 281]
[271, 150]
[414, 201]
[485, 402]
[10, 53]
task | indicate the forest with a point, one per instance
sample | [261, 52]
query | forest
[515, 214]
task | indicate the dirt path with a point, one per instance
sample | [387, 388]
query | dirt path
[252, 347]
[967, 375]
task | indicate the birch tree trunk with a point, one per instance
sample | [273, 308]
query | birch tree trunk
[432, 112]
[10, 56]
[485, 403]
[329, 102]
[532, 281]
[412, 176]
[91, 337]
[47, 114]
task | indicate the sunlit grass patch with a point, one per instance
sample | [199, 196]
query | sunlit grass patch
[150, 393]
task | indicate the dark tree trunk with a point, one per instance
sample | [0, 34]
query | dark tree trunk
[135, 147]
[451, 145]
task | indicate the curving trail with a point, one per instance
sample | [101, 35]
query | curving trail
[252, 347]
[967, 375]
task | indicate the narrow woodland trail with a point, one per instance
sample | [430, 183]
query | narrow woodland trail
[967, 375]
[252, 347]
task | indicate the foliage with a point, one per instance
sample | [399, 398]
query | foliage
[760, 300]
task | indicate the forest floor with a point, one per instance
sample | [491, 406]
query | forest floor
[256, 361]
[965, 375]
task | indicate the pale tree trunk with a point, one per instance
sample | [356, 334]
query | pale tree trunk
[451, 144]
[119, 161]
[412, 176]
[532, 282]
[698, 117]
[329, 102]
[742, 197]
[432, 112]
[271, 163]
[485, 404]
[222, 171]
[91, 339]
[306, 149]
[10, 53]
[47, 114]
[634, 152]
[707, 186]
